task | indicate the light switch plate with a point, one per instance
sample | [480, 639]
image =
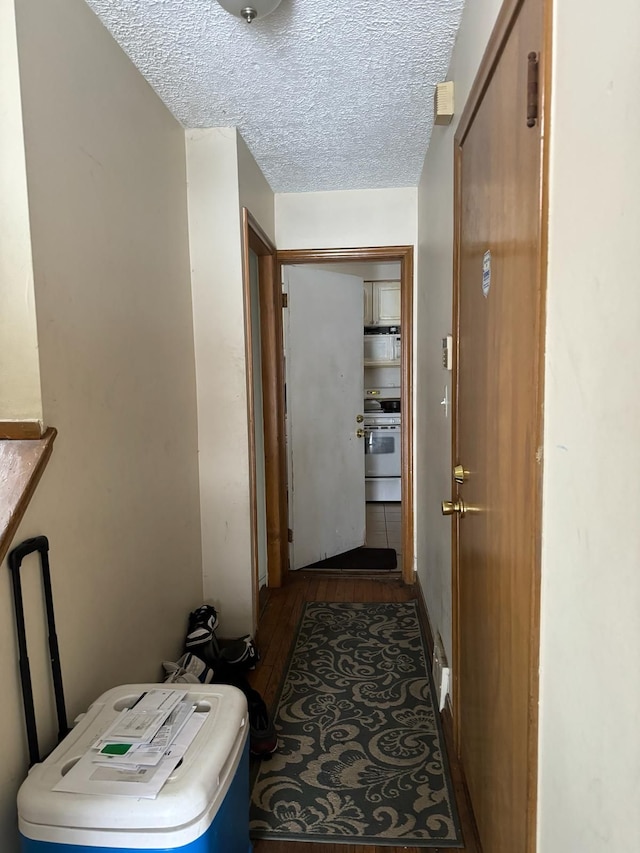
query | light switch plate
[447, 352]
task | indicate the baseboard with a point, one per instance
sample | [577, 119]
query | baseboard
[446, 717]
[424, 616]
[263, 598]
[463, 797]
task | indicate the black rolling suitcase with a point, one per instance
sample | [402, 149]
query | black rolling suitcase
[16, 556]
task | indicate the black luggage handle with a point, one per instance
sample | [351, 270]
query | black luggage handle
[36, 543]
[16, 556]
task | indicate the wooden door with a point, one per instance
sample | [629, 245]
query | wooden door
[498, 315]
[325, 398]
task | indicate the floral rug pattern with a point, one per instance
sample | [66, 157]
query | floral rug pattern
[360, 750]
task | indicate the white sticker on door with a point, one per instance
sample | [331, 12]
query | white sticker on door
[486, 273]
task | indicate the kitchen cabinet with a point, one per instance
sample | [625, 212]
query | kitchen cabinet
[382, 303]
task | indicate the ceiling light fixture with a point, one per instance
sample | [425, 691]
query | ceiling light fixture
[249, 9]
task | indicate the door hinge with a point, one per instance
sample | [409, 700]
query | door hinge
[285, 300]
[289, 534]
[532, 89]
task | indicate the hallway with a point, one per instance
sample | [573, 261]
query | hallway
[280, 617]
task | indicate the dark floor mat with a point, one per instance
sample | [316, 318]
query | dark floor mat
[368, 559]
[361, 753]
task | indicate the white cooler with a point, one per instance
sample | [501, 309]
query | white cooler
[202, 808]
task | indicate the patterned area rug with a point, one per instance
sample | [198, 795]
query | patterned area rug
[360, 754]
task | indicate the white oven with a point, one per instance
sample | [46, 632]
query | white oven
[382, 456]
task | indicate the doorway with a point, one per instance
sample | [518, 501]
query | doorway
[403, 255]
[263, 351]
[359, 307]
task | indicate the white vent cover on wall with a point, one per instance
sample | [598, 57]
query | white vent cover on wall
[443, 103]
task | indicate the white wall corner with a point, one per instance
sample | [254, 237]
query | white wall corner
[20, 391]
[213, 176]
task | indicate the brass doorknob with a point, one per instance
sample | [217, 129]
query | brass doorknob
[452, 507]
[459, 474]
[360, 433]
[359, 419]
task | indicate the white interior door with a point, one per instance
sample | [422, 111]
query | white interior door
[325, 379]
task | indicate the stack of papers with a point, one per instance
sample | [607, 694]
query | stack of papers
[136, 755]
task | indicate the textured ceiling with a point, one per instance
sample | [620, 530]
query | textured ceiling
[327, 94]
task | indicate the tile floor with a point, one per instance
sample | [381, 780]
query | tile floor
[384, 527]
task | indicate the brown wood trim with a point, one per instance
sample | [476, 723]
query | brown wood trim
[22, 462]
[20, 429]
[251, 419]
[274, 422]
[424, 615]
[455, 388]
[406, 407]
[255, 239]
[263, 598]
[545, 75]
[273, 413]
[499, 35]
[260, 241]
[325, 256]
[447, 714]
[404, 255]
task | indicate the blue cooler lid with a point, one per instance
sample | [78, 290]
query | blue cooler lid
[186, 804]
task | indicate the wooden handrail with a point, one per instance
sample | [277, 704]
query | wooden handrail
[22, 462]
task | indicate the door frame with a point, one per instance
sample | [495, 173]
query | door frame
[274, 393]
[254, 238]
[495, 45]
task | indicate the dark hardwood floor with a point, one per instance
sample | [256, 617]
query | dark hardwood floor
[280, 616]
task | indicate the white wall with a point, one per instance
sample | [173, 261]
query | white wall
[369, 272]
[119, 500]
[433, 320]
[19, 368]
[222, 177]
[590, 690]
[255, 193]
[346, 219]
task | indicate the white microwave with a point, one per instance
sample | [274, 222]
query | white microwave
[381, 348]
